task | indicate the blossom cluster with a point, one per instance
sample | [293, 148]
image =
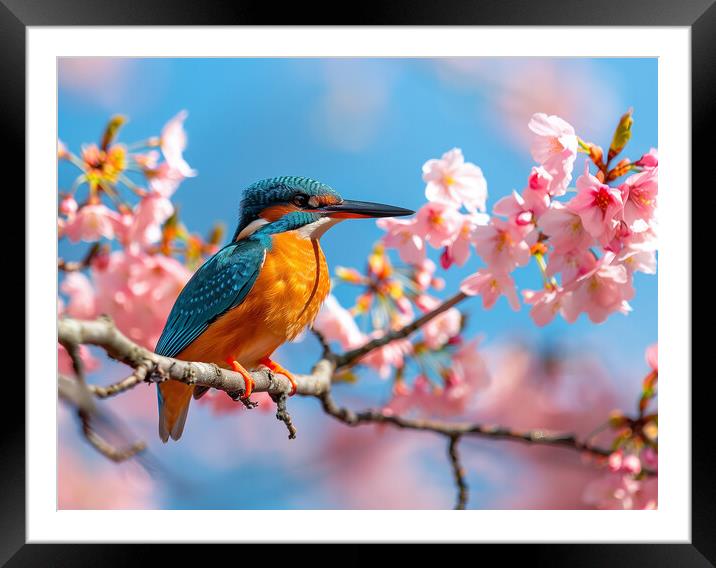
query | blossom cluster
[391, 296]
[635, 450]
[134, 274]
[587, 241]
[587, 237]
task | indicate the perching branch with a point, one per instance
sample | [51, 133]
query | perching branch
[103, 333]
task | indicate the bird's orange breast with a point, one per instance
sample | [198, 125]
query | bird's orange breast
[286, 297]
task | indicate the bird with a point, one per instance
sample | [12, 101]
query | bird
[257, 292]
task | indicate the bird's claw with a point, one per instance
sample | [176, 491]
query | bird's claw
[276, 368]
[248, 380]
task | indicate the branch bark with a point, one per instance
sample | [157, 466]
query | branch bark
[103, 333]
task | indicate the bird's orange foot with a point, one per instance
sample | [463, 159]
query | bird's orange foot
[248, 381]
[276, 368]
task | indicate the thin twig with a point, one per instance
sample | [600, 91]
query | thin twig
[458, 473]
[451, 429]
[352, 356]
[104, 447]
[326, 352]
[74, 266]
[283, 415]
[76, 393]
[138, 376]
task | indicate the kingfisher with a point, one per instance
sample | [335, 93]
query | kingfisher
[259, 291]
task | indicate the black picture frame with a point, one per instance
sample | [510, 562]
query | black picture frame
[698, 15]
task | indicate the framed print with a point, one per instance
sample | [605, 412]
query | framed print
[384, 282]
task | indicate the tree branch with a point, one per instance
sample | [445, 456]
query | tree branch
[452, 429]
[352, 356]
[103, 333]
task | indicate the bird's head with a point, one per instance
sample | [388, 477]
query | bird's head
[304, 204]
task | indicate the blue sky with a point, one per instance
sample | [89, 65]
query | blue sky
[366, 127]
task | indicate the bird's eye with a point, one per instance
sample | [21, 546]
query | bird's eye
[300, 200]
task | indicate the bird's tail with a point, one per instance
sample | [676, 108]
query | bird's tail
[174, 398]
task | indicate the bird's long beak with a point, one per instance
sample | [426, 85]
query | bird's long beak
[362, 209]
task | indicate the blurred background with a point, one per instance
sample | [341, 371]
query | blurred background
[365, 127]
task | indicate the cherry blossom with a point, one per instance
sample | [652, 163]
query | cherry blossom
[555, 148]
[164, 179]
[649, 160]
[617, 491]
[424, 276]
[453, 181]
[491, 285]
[539, 180]
[337, 324]
[639, 197]
[571, 264]
[173, 143]
[145, 224]
[467, 376]
[403, 236]
[442, 328]
[546, 304]
[103, 166]
[82, 299]
[62, 152]
[388, 357]
[148, 161]
[598, 205]
[620, 461]
[92, 222]
[439, 224]
[599, 292]
[652, 356]
[68, 206]
[458, 251]
[522, 210]
[138, 290]
[564, 229]
[638, 252]
[502, 245]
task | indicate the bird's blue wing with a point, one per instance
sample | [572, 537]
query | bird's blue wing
[220, 284]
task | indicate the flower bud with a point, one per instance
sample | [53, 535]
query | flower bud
[596, 154]
[110, 132]
[622, 134]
